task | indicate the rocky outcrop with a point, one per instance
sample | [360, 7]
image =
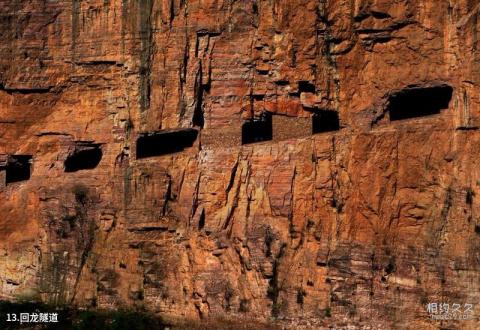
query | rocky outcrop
[311, 163]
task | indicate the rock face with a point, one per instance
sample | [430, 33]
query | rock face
[313, 162]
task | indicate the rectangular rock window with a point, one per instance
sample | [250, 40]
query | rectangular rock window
[85, 156]
[257, 130]
[418, 102]
[306, 87]
[325, 121]
[165, 142]
[18, 168]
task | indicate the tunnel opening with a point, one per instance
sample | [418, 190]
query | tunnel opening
[325, 121]
[419, 102]
[165, 142]
[18, 168]
[306, 87]
[257, 130]
[85, 156]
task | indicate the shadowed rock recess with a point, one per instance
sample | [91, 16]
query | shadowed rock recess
[300, 164]
[419, 102]
[85, 156]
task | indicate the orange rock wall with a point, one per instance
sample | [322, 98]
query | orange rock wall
[362, 226]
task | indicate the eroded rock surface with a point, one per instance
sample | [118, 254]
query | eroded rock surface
[361, 224]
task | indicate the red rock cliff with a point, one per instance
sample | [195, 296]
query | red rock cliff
[129, 176]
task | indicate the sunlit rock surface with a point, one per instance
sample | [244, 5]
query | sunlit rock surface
[361, 224]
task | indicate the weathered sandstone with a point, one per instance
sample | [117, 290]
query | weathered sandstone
[361, 224]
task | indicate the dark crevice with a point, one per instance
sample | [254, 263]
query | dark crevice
[172, 12]
[325, 121]
[374, 39]
[390, 268]
[262, 72]
[257, 130]
[165, 142]
[419, 102]
[201, 221]
[167, 197]
[380, 15]
[33, 90]
[146, 40]
[373, 30]
[75, 26]
[205, 32]
[99, 63]
[85, 156]
[18, 168]
[294, 56]
[281, 82]
[469, 196]
[375, 14]
[47, 133]
[149, 229]
[198, 119]
[255, 8]
[394, 27]
[233, 174]
[361, 16]
[274, 287]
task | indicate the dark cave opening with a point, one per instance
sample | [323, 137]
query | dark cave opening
[325, 121]
[419, 102]
[165, 142]
[257, 130]
[84, 157]
[306, 87]
[18, 168]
